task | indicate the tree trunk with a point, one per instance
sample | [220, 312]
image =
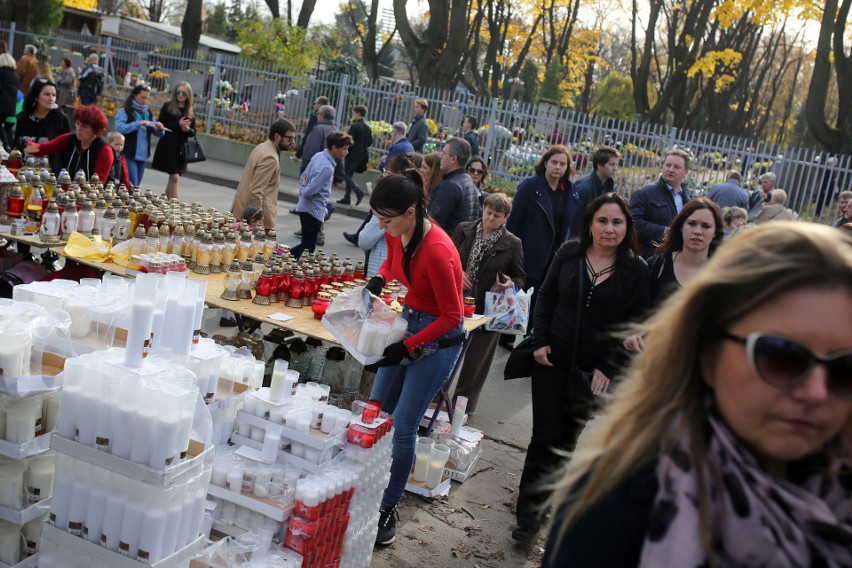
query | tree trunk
[305, 13]
[273, 8]
[190, 27]
[827, 135]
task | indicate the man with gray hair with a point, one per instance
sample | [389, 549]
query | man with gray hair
[761, 195]
[315, 140]
[456, 199]
[27, 68]
[399, 143]
[730, 193]
[91, 81]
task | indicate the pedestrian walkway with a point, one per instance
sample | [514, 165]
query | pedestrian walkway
[228, 175]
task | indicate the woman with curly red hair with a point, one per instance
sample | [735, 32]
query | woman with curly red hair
[83, 150]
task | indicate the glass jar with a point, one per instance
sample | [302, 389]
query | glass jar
[245, 246]
[284, 283]
[359, 270]
[205, 252]
[122, 225]
[15, 202]
[469, 306]
[69, 218]
[247, 280]
[153, 239]
[310, 288]
[108, 224]
[270, 244]
[218, 253]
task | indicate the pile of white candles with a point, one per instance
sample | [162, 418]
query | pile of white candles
[137, 520]
[27, 331]
[24, 419]
[26, 482]
[376, 334]
[144, 417]
[19, 542]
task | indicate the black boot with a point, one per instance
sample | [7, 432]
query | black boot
[387, 526]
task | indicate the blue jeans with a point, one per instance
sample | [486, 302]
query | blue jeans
[405, 392]
[135, 171]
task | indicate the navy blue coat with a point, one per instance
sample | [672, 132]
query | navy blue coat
[532, 222]
[589, 188]
[653, 209]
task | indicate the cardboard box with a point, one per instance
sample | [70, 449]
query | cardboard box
[269, 508]
[419, 488]
[26, 515]
[197, 456]
[114, 559]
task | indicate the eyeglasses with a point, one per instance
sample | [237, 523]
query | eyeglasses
[475, 171]
[184, 93]
[785, 363]
[289, 137]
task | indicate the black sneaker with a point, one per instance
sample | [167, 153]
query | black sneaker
[359, 198]
[344, 201]
[387, 526]
[526, 532]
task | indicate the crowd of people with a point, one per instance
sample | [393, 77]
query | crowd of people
[709, 335]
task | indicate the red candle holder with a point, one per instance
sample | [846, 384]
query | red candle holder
[320, 304]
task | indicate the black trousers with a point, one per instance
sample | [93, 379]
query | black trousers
[311, 228]
[557, 423]
[351, 186]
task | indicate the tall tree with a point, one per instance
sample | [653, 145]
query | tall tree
[155, 10]
[216, 23]
[837, 137]
[367, 27]
[437, 52]
[190, 27]
[305, 13]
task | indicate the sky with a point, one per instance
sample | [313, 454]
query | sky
[326, 9]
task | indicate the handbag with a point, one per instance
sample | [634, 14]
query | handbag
[520, 361]
[193, 151]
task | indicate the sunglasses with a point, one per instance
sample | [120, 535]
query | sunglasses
[475, 171]
[184, 93]
[785, 363]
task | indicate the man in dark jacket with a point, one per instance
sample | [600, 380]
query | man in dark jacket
[315, 141]
[655, 206]
[419, 130]
[91, 81]
[312, 121]
[470, 125]
[359, 154]
[729, 193]
[599, 181]
[456, 198]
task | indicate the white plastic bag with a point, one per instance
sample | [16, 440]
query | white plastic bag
[509, 310]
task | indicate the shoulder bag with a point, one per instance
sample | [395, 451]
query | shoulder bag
[193, 151]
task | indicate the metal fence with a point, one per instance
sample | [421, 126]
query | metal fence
[237, 99]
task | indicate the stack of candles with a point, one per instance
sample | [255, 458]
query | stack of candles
[26, 482]
[376, 334]
[17, 543]
[140, 521]
[143, 417]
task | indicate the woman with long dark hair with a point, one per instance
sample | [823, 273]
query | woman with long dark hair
[595, 283]
[136, 121]
[179, 118]
[40, 120]
[424, 259]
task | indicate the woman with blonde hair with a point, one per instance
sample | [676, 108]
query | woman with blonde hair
[8, 94]
[179, 119]
[723, 445]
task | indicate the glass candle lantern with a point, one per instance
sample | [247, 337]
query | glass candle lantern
[50, 223]
[15, 202]
[310, 288]
[269, 244]
[108, 224]
[230, 251]
[277, 274]
[297, 290]
[165, 239]
[233, 279]
[64, 180]
[86, 220]
[246, 284]
[100, 209]
[359, 270]
[7, 183]
[320, 304]
[348, 273]
[469, 306]
[70, 218]
[153, 239]
[244, 247]
[284, 283]
[121, 232]
[218, 252]
[14, 162]
[263, 288]
[203, 256]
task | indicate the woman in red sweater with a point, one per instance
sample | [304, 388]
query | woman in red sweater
[84, 149]
[423, 257]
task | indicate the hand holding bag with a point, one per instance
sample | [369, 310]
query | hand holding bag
[193, 151]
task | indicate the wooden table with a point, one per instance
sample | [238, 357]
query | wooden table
[32, 240]
[303, 321]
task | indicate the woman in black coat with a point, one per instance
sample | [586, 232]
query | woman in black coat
[576, 357]
[8, 95]
[41, 120]
[178, 118]
[490, 254]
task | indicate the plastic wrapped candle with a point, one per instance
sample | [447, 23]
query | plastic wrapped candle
[15, 349]
[142, 319]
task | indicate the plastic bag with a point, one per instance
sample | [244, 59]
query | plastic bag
[363, 333]
[508, 309]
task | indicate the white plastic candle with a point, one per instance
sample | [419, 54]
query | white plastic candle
[113, 515]
[40, 472]
[15, 350]
[279, 373]
[141, 319]
[158, 320]
[10, 543]
[366, 339]
[271, 442]
[235, 477]
[12, 484]
[440, 455]
[79, 499]
[172, 525]
[458, 415]
[398, 329]
[131, 522]
[183, 321]
[62, 492]
[93, 521]
[198, 316]
[153, 527]
[23, 419]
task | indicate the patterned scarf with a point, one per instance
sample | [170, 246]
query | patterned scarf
[755, 519]
[478, 250]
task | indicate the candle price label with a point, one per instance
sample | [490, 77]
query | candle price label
[33, 495]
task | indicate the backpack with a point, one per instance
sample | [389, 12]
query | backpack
[93, 82]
